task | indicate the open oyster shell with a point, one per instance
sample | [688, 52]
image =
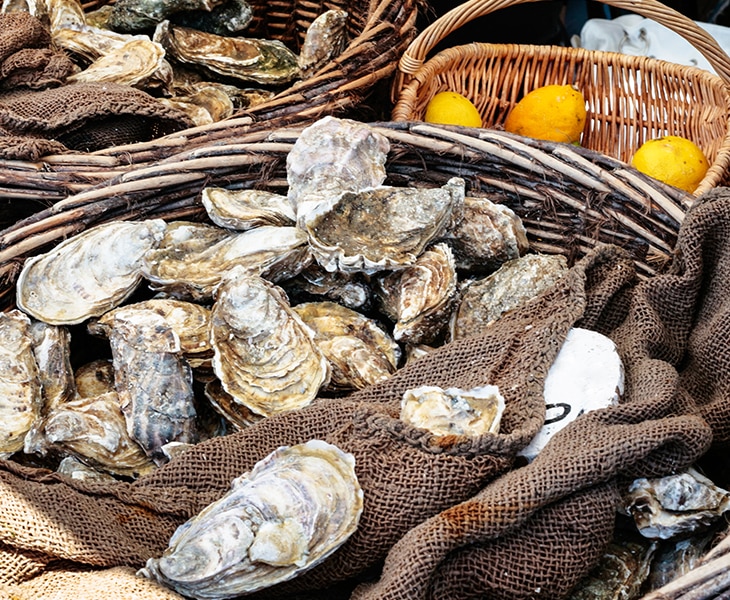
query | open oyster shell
[265, 356]
[88, 274]
[289, 513]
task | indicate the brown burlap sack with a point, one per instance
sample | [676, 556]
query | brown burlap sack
[407, 475]
[535, 531]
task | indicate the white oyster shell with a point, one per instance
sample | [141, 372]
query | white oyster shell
[290, 512]
[246, 209]
[87, 274]
[453, 411]
[265, 356]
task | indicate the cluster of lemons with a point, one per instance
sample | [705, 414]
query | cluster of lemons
[558, 113]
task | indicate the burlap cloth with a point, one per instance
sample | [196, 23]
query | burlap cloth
[41, 114]
[456, 518]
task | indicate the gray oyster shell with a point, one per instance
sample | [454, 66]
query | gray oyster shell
[87, 274]
[266, 62]
[73, 468]
[483, 301]
[324, 40]
[229, 18]
[52, 351]
[20, 385]
[153, 381]
[380, 228]
[131, 16]
[295, 508]
[352, 290]
[246, 209]
[265, 356]
[360, 351]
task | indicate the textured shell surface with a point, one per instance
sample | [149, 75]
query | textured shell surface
[94, 378]
[64, 14]
[360, 351]
[20, 385]
[454, 411]
[352, 290]
[194, 269]
[266, 62]
[229, 18]
[265, 356]
[324, 40]
[87, 274]
[483, 301]
[73, 468]
[153, 380]
[94, 430]
[235, 413]
[52, 351]
[486, 235]
[294, 509]
[206, 105]
[246, 209]
[90, 42]
[380, 228]
[421, 296]
[131, 16]
[331, 156]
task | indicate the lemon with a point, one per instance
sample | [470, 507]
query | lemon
[672, 159]
[552, 112]
[451, 108]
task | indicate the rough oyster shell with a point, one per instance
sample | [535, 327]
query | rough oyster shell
[324, 40]
[380, 228]
[290, 512]
[20, 386]
[332, 156]
[225, 405]
[87, 274]
[94, 378]
[229, 18]
[73, 468]
[153, 381]
[421, 297]
[90, 42]
[352, 290]
[359, 350]
[206, 105]
[453, 411]
[267, 62]
[52, 351]
[246, 209]
[265, 356]
[186, 266]
[483, 301]
[130, 16]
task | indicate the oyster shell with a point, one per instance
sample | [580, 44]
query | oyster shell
[131, 16]
[380, 228]
[246, 209]
[64, 14]
[52, 351]
[87, 274]
[324, 40]
[359, 350]
[349, 289]
[332, 156]
[267, 62]
[89, 43]
[94, 378]
[188, 267]
[153, 381]
[295, 508]
[453, 411]
[229, 18]
[206, 105]
[72, 467]
[20, 385]
[483, 301]
[421, 297]
[485, 236]
[265, 356]
[233, 412]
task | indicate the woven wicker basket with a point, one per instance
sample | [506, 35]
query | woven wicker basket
[569, 198]
[629, 99]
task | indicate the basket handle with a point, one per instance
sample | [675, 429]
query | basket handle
[415, 55]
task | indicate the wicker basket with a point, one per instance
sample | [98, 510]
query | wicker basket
[629, 99]
[569, 198]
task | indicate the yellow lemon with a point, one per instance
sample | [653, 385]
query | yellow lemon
[672, 159]
[450, 108]
[552, 112]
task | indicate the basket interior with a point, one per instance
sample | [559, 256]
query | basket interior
[629, 99]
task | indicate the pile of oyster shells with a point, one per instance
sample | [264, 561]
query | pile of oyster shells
[193, 55]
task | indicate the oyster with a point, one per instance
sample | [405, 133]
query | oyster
[267, 62]
[295, 508]
[206, 105]
[64, 14]
[52, 351]
[189, 267]
[94, 430]
[349, 289]
[265, 356]
[485, 236]
[359, 350]
[94, 378]
[88, 43]
[87, 274]
[72, 467]
[332, 156]
[324, 40]
[453, 411]
[246, 209]
[381, 228]
[233, 412]
[483, 301]
[153, 381]
[130, 16]
[667, 507]
[420, 297]
[20, 385]
[229, 18]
